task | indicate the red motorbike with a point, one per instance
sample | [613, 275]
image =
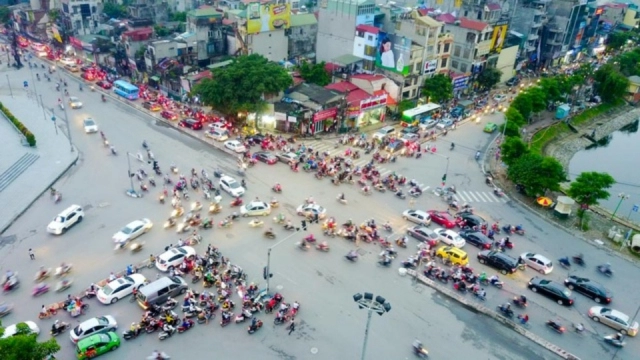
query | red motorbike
[236, 202]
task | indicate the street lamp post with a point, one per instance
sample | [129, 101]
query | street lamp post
[129, 155]
[267, 269]
[622, 197]
[378, 305]
[66, 117]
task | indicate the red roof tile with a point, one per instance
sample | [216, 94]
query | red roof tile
[493, 7]
[367, 28]
[368, 77]
[357, 96]
[390, 101]
[342, 87]
[472, 24]
[446, 18]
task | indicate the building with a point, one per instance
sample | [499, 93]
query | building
[633, 94]
[632, 17]
[156, 10]
[337, 21]
[302, 36]
[262, 28]
[80, 17]
[473, 40]
[562, 35]
[204, 31]
[320, 107]
[527, 24]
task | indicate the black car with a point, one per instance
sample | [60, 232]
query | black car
[499, 260]
[589, 289]
[477, 239]
[551, 289]
[513, 81]
[191, 124]
[257, 138]
[472, 220]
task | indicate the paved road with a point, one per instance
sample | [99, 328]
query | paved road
[329, 321]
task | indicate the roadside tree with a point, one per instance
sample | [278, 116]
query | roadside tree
[512, 149]
[315, 73]
[24, 346]
[537, 173]
[617, 40]
[611, 85]
[513, 114]
[488, 78]
[590, 187]
[438, 88]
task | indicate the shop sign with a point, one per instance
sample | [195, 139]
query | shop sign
[375, 102]
[430, 66]
[280, 116]
[325, 114]
[292, 119]
[460, 83]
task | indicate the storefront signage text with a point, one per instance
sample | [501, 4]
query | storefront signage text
[325, 114]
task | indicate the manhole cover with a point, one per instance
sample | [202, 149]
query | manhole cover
[314, 350]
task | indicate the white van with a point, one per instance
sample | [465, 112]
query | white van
[384, 132]
[231, 186]
[66, 219]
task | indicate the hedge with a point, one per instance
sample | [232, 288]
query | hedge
[31, 139]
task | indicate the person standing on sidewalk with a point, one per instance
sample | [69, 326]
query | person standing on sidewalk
[32, 256]
[292, 325]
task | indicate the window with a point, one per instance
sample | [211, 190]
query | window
[443, 63]
[456, 51]
[417, 67]
[405, 95]
[467, 53]
[438, 49]
[471, 37]
[487, 36]
[463, 68]
[446, 48]
[369, 38]
[430, 49]
[454, 64]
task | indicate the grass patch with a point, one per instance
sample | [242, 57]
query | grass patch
[545, 136]
[594, 112]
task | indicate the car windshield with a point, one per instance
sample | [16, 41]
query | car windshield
[59, 219]
[126, 230]
[77, 331]
[107, 290]
[89, 122]
[233, 185]
[73, 98]
[566, 292]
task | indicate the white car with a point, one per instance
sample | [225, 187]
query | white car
[417, 216]
[90, 125]
[450, 237]
[409, 138]
[255, 208]
[121, 287]
[173, 257]
[235, 145]
[217, 134]
[231, 186]
[68, 61]
[75, 103]
[11, 330]
[500, 97]
[132, 230]
[614, 319]
[312, 209]
[96, 325]
[537, 262]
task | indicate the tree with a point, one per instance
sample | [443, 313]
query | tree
[537, 173]
[513, 116]
[489, 77]
[512, 129]
[512, 149]
[24, 346]
[611, 85]
[617, 40]
[523, 104]
[538, 99]
[315, 73]
[114, 10]
[552, 87]
[180, 16]
[629, 62]
[590, 187]
[4, 14]
[406, 105]
[241, 86]
[161, 31]
[438, 88]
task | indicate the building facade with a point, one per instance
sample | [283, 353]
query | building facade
[302, 36]
[80, 17]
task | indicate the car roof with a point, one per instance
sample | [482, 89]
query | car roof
[257, 203]
[227, 178]
[615, 313]
[93, 339]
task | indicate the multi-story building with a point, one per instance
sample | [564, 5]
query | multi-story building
[156, 10]
[527, 23]
[302, 36]
[262, 28]
[562, 35]
[204, 28]
[80, 17]
[337, 21]
[473, 40]
[632, 17]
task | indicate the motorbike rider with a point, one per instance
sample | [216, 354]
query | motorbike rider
[185, 323]
[295, 307]
[44, 311]
[341, 197]
[42, 273]
[506, 307]
[352, 255]
[277, 187]
[494, 279]
[134, 329]
[130, 269]
[402, 241]
[226, 317]
[56, 327]
[168, 328]
[417, 345]
[523, 300]
[523, 318]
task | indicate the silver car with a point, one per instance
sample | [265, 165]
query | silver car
[75, 103]
[614, 319]
[537, 262]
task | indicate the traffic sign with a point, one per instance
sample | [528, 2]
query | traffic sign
[635, 208]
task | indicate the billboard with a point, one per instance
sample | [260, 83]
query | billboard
[498, 37]
[267, 17]
[430, 66]
[394, 53]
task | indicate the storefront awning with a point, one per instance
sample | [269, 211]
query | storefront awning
[390, 100]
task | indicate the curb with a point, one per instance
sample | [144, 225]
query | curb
[492, 314]
[62, 173]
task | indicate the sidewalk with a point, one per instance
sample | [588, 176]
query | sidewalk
[25, 172]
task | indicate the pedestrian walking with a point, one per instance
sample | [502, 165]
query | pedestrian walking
[32, 256]
[292, 325]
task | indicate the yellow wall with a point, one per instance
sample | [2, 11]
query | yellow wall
[629, 18]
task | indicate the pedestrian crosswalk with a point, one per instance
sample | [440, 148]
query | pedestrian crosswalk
[478, 196]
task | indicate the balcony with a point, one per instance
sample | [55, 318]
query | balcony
[532, 37]
[536, 25]
[554, 41]
[555, 30]
[529, 48]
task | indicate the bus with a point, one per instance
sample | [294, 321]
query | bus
[125, 89]
[419, 114]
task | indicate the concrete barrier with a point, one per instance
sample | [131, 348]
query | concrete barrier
[477, 307]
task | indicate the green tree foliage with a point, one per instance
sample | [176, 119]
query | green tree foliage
[537, 173]
[521, 104]
[315, 73]
[611, 85]
[114, 10]
[552, 87]
[161, 31]
[590, 187]
[512, 129]
[179, 16]
[4, 14]
[24, 346]
[242, 85]
[512, 149]
[438, 88]
[617, 40]
[513, 116]
[489, 77]
[629, 62]
[406, 105]
[538, 99]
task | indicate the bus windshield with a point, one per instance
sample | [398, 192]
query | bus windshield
[125, 89]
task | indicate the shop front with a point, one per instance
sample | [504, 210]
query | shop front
[367, 112]
[323, 121]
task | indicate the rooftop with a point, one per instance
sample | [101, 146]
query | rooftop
[346, 59]
[367, 29]
[316, 93]
[368, 77]
[205, 12]
[357, 95]
[635, 79]
[303, 20]
[341, 87]
[446, 18]
[429, 21]
[473, 24]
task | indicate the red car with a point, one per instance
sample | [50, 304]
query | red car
[191, 124]
[169, 115]
[104, 84]
[442, 218]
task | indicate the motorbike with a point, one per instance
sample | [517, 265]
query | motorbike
[226, 321]
[64, 285]
[214, 208]
[50, 312]
[40, 289]
[401, 243]
[190, 314]
[614, 340]
[605, 269]
[242, 316]
[352, 256]
[565, 262]
[184, 327]
[60, 271]
[62, 328]
[499, 284]
[183, 227]
[323, 247]
[254, 328]
[302, 245]
[128, 334]
[578, 259]
[269, 234]
[341, 200]
[505, 311]
[556, 326]
[169, 305]
[42, 275]
[165, 334]
[5, 309]
[498, 192]
[420, 351]
[237, 202]
[520, 302]
[277, 189]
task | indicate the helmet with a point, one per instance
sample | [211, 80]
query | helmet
[132, 324]
[57, 322]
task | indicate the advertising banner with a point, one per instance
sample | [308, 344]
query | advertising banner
[430, 66]
[498, 37]
[267, 17]
[373, 102]
[394, 53]
[460, 83]
[325, 114]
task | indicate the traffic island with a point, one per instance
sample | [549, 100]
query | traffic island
[479, 308]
